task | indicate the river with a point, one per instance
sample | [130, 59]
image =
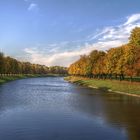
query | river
[53, 109]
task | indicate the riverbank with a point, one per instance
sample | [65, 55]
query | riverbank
[7, 78]
[4, 79]
[121, 87]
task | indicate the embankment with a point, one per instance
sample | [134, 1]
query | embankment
[121, 87]
[7, 78]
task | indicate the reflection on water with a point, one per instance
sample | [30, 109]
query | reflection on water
[122, 112]
[51, 108]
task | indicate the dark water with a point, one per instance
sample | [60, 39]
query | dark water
[53, 109]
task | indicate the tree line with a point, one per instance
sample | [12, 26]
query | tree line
[114, 63]
[10, 65]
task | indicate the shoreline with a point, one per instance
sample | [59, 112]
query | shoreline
[92, 83]
[6, 79]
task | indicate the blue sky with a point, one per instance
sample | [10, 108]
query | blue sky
[57, 32]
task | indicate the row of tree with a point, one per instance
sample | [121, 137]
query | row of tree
[116, 62]
[10, 65]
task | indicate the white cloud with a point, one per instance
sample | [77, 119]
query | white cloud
[132, 19]
[67, 57]
[107, 38]
[97, 35]
[33, 7]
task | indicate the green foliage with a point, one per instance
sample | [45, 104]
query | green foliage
[1, 62]
[10, 65]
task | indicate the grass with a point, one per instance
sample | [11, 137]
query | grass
[108, 85]
[126, 78]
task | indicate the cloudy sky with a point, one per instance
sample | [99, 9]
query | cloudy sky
[57, 32]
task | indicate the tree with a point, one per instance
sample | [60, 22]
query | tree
[1, 62]
[119, 61]
[134, 39]
[130, 60]
[98, 61]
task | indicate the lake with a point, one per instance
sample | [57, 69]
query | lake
[53, 109]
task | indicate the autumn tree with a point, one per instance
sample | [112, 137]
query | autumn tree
[134, 39]
[120, 61]
[97, 63]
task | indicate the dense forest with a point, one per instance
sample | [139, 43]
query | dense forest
[113, 63]
[10, 65]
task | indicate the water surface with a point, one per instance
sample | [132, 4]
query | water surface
[53, 109]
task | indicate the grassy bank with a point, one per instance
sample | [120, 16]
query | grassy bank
[123, 87]
[4, 79]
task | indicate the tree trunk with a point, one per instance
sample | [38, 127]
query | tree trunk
[131, 79]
